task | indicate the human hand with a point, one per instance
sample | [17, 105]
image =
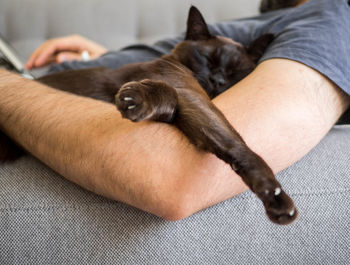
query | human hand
[63, 49]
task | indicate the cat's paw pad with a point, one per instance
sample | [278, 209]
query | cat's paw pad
[131, 101]
[280, 207]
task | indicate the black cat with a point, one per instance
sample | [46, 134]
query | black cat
[177, 89]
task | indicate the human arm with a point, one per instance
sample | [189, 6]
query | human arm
[63, 49]
[282, 110]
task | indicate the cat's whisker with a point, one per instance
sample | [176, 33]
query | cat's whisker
[128, 98]
[131, 106]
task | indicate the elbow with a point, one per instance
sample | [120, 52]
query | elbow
[175, 205]
[191, 190]
[175, 211]
[175, 214]
[175, 202]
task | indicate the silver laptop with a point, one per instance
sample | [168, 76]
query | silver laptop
[10, 56]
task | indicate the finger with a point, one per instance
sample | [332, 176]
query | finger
[44, 55]
[50, 60]
[49, 47]
[67, 56]
[66, 44]
[41, 55]
[31, 60]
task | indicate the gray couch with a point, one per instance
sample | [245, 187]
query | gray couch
[45, 219]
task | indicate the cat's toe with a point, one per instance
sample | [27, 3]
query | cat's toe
[130, 101]
[280, 208]
[283, 218]
[124, 102]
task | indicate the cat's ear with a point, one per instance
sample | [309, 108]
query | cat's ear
[197, 29]
[257, 48]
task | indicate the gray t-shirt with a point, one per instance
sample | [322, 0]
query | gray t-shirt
[316, 34]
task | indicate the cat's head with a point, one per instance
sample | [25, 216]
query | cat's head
[217, 62]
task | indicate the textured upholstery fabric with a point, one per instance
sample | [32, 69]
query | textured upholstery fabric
[44, 219]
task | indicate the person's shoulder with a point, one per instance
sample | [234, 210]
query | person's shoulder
[320, 12]
[317, 34]
[313, 21]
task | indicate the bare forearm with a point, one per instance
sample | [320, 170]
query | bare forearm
[282, 110]
[57, 127]
[89, 143]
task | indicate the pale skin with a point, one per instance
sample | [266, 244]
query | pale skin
[282, 110]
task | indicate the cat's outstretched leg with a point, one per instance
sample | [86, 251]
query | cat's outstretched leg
[147, 100]
[207, 128]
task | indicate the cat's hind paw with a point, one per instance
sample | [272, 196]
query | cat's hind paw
[280, 207]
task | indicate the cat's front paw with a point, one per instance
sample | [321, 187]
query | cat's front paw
[147, 100]
[131, 101]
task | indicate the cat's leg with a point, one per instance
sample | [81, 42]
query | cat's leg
[9, 150]
[147, 100]
[207, 128]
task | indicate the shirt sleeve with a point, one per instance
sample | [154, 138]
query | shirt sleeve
[316, 34]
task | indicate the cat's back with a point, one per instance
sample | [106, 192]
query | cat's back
[93, 82]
